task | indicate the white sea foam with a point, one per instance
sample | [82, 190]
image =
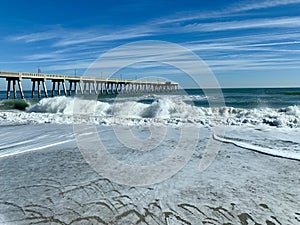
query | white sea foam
[163, 109]
[269, 151]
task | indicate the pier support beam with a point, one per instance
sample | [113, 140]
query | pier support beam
[53, 88]
[58, 81]
[117, 88]
[75, 88]
[71, 82]
[58, 88]
[15, 89]
[90, 90]
[8, 89]
[75, 82]
[81, 89]
[84, 87]
[106, 88]
[39, 89]
[101, 88]
[95, 88]
[64, 87]
[20, 89]
[45, 89]
[38, 81]
[33, 88]
[14, 81]
[70, 88]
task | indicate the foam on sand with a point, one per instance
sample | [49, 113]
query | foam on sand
[260, 149]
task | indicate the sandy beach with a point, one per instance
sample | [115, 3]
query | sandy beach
[43, 183]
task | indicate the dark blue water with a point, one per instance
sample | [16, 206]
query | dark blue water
[234, 97]
[254, 97]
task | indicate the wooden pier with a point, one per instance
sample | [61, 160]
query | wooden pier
[86, 85]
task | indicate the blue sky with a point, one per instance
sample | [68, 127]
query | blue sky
[245, 43]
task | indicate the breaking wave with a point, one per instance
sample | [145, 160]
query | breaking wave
[161, 109]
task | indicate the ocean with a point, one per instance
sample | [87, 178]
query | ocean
[277, 107]
[185, 157]
[234, 97]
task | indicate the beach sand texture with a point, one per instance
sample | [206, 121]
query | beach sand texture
[45, 180]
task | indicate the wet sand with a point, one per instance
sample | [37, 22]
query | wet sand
[55, 185]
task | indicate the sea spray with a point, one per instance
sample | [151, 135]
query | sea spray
[155, 109]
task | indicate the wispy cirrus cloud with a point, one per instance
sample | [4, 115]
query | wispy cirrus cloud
[234, 10]
[251, 5]
[34, 37]
[67, 37]
[83, 64]
[235, 50]
[94, 36]
[272, 37]
[45, 33]
[290, 22]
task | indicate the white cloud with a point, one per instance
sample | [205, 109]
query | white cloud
[291, 22]
[34, 37]
[68, 66]
[69, 48]
[262, 5]
[234, 10]
[66, 37]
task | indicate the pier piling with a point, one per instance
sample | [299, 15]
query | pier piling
[8, 89]
[15, 89]
[95, 88]
[70, 88]
[33, 88]
[20, 89]
[64, 87]
[58, 88]
[45, 89]
[39, 89]
[53, 88]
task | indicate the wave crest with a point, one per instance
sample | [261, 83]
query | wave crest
[166, 109]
